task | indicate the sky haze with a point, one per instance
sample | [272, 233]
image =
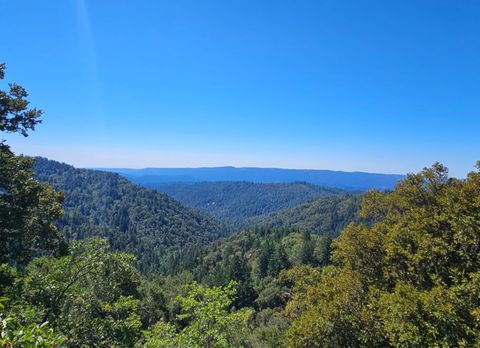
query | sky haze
[378, 86]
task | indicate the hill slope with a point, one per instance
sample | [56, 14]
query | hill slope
[323, 216]
[323, 219]
[135, 219]
[255, 258]
[237, 202]
[344, 180]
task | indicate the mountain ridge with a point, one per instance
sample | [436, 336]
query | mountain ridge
[132, 218]
[354, 181]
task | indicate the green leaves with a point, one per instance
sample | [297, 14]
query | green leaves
[205, 320]
[14, 113]
[14, 334]
[90, 295]
[407, 280]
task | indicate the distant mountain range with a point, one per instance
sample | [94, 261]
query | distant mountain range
[353, 181]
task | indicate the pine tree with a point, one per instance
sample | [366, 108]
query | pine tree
[279, 261]
[308, 248]
[264, 255]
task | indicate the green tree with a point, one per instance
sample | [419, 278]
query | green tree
[278, 261]
[324, 250]
[238, 271]
[409, 279]
[90, 296]
[264, 254]
[15, 116]
[28, 209]
[14, 334]
[153, 304]
[209, 322]
[308, 248]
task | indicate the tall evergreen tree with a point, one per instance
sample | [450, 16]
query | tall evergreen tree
[325, 250]
[278, 261]
[264, 254]
[308, 248]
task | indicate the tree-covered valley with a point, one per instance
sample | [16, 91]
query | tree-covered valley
[241, 204]
[90, 259]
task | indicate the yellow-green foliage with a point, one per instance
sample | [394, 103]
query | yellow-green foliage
[89, 296]
[411, 279]
[207, 317]
[16, 335]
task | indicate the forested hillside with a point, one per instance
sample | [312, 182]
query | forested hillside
[237, 203]
[133, 219]
[254, 260]
[324, 216]
[259, 253]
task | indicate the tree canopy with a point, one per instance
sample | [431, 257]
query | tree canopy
[411, 279]
[209, 321]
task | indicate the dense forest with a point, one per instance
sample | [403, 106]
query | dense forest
[106, 263]
[325, 216]
[313, 223]
[144, 222]
[239, 203]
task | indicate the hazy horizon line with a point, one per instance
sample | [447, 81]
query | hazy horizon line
[244, 167]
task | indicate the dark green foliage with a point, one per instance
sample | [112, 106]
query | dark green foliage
[325, 251]
[254, 259]
[15, 116]
[28, 209]
[278, 260]
[262, 247]
[91, 296]
[308, 248]
[238, 203]
[134, 219]
[153, 304]
[324, 216]
[270, 326]
[265, 251]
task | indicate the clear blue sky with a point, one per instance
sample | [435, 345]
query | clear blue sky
[382, 86]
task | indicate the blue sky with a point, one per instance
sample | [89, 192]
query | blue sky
[380, 86]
